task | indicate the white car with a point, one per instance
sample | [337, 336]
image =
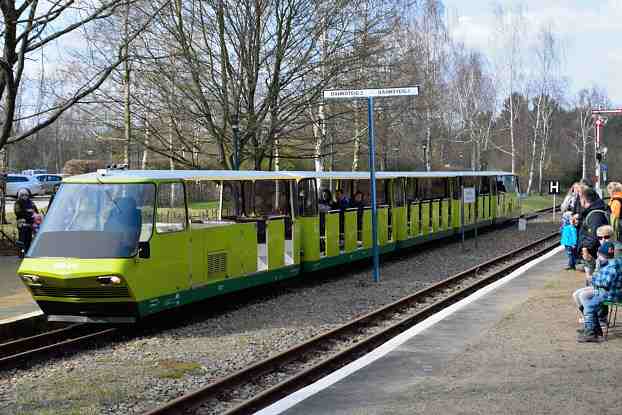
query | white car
[16, 182]
[48, 181]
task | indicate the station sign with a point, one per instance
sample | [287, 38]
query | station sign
[468, 195]
[371, 93]
[554, 187]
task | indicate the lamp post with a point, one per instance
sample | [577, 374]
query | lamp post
[235, 126]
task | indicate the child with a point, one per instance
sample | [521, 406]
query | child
[569, 239]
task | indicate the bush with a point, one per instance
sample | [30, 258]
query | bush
[73, 167]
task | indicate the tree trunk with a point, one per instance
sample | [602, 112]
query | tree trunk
[428, 141]
[145, 158]
[534, 145]
[357, 140]
[584, 155]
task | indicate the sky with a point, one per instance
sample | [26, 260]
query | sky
[590, 32]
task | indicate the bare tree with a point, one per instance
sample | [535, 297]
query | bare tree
[474, 97]
[28, 27]
[587, 100]
[509, 35]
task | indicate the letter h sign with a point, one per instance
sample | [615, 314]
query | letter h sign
[554, 187]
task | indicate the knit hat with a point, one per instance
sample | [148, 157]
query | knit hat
[607, 249]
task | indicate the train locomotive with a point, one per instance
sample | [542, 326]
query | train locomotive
[117, 246]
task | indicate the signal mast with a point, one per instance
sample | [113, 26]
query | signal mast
[600, 120]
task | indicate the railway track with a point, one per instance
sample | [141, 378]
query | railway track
[262, 384]
[51, 343]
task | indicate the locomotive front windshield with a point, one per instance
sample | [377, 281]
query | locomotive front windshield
[96, 221]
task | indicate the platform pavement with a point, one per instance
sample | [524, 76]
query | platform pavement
[14, 297]
[513, 351]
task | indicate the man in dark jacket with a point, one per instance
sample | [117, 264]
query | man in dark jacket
[24, 210]
[593, 216]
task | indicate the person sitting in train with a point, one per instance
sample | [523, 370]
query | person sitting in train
[326, 200]
[342, 202]
[358, 201]
[126, 219]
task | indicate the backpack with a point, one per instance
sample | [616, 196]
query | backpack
[586, 230]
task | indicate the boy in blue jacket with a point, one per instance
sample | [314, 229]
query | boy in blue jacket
[569, 239]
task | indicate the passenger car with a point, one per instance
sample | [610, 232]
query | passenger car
[16, 182]
[48, 181]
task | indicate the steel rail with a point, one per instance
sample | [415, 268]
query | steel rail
[194, 400]
[48, 343]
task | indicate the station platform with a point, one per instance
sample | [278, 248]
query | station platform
[15, 301]
[510, 348]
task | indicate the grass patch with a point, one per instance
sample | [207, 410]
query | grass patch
[537, 202]
[176, 369]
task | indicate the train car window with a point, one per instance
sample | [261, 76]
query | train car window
[307, 198]
[364, 187]
[271, 197]
[432, 188]
[484, 187]
[203, 200]
[493, 184]
[248, 201]
[470, 181]
[411, 189]
[232, 203]
[454, 184]
[508, 184]
[171, 208]
[501, 185]
[397, 186]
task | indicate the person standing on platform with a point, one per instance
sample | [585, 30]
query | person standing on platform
[25, 211]
[592, 217]
[569, 239]
[614, 189]
[571, 198]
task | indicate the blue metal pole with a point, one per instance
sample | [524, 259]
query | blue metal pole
[372, 178]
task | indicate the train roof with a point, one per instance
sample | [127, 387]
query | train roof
[136, 176]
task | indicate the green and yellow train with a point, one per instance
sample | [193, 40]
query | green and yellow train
[120, 245]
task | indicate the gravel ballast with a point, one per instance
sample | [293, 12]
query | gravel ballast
[141, 373]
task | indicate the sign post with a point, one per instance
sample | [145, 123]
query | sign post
[370, 94]
[554, 190]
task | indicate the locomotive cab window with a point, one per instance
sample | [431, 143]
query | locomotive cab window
[96, 221]
[171, 209]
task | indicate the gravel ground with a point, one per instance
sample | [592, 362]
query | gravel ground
[135, 375]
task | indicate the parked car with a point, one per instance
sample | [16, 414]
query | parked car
[48, 181]
[16, 182]
[32, 172]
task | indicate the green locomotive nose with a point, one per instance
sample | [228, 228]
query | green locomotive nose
[80, 290]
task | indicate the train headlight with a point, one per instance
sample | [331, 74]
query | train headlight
[109, 279]
[31, 279]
